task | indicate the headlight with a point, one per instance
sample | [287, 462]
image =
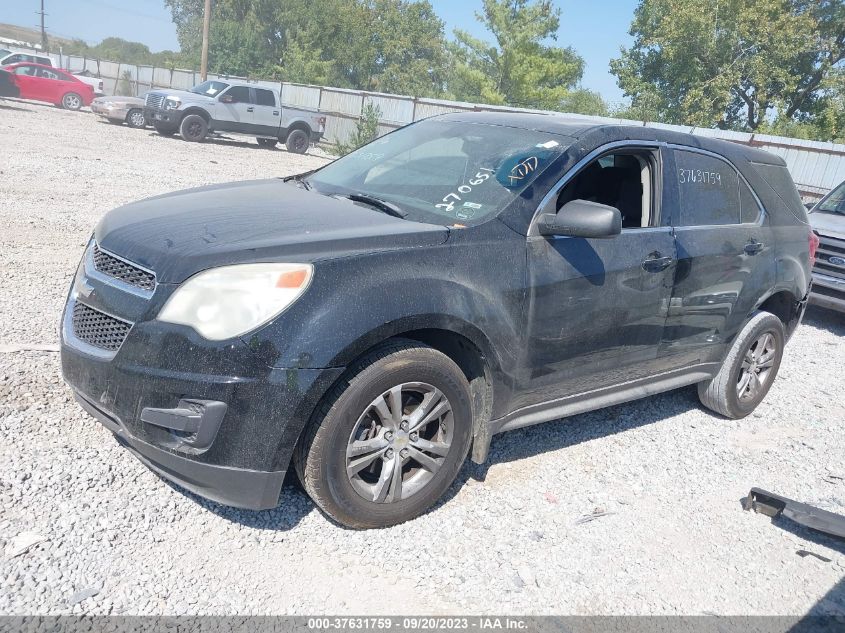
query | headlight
[172, 103]
[229, 301]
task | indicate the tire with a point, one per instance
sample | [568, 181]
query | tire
[374, 497]
[744, 380]
[135, 118]
[193, 128]
[164, 130]
[298, 141]
[72, 101]
[269, 143]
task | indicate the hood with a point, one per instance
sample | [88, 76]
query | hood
[179, 234]
[826, 223]
[184, 95]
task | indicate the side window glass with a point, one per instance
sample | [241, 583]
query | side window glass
[14, 59]
[25, 70]
[622, 180]
[708, 190]
[265, 97]
[239, 94]
[748, 204]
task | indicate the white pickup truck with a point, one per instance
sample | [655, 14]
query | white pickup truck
[234, 108]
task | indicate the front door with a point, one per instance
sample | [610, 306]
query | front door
[235, 110]
[597, 307]
[30, 85]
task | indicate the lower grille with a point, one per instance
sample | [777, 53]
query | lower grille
[99, 329]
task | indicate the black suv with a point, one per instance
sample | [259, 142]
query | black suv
[373, 322]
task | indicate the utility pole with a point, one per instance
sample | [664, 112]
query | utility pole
[43, 32]
[206, 23]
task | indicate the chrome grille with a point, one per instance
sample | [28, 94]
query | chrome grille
[154, 100]
[99, 329]
[124, 271]
[830, 248]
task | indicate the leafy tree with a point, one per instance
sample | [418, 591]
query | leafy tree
[519, 68]
[733, 63]
[366, 130]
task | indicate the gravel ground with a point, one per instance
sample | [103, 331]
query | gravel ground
[661, 477]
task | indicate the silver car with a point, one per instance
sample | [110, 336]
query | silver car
[129, 110]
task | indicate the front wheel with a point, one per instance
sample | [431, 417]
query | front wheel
[193, 128]
[164, 130]
[390, 438]
[298, 141]
[71, 101]
[748, 370]
[136, 118]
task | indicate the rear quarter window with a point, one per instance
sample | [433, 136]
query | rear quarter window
[265, 97]
[780, 180]
[708, 190]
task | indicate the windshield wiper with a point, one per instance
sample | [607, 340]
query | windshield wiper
[382, 205]
[300, 180]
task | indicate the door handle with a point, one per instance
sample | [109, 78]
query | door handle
[753, 247]
[250, 109]
[275, 113]
[656, 263]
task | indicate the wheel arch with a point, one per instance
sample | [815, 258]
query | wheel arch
[196, 110]
[784, 305]
[296, 124]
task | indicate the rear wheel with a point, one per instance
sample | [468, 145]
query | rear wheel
[193, 128]
[298, 141]
[749, 369]
[135, 118]
[390, 438]
[71, 101]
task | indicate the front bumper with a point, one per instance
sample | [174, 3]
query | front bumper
[163, 117]
[140, 392]
[828, 292]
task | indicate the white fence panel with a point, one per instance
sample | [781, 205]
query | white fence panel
[339, 129]
[393, 109]
[183, 79]
[296, 95]
[342, 101]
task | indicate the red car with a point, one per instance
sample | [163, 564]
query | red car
[45, 83]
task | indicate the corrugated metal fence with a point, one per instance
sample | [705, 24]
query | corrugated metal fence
[815, 166]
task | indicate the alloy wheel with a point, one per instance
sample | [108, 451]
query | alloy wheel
[399, 442]
[72, 102]
[756, 370]
[136, 119]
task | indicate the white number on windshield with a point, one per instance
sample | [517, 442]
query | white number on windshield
[449, 200]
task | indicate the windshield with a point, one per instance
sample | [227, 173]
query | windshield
[444, 172]
[210, 88]
[834, 202]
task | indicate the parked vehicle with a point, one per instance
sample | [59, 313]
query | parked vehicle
[372, 322]
[828, 221]
[7, 58]
[129, 110]
[234, 108]
[96, 83]
[8, 86]
[44, 83]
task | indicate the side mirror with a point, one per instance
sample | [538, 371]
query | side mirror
[227, 99]
[809, 205]
[581, 218]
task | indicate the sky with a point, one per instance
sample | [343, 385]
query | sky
[595, 29]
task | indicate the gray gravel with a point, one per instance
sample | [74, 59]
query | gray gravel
[634, 509]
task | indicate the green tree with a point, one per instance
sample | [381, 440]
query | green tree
[732, 63]
[519, 68]
[366, 130]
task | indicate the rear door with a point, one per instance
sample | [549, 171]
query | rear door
[266, 117]
[236, 110]
[725, 256]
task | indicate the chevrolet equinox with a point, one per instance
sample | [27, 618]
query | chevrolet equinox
[373, 322]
